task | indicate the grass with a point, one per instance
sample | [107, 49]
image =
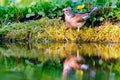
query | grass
[55, 30]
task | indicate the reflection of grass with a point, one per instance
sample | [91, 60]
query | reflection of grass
[57, 51]
[45, 60]
[53, 30]
[23, 69]
[104, 51]
[116, 69]
[26, 70]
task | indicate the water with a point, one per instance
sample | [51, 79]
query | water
[40, 61]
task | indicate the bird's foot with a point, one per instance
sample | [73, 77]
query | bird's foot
[78, 29]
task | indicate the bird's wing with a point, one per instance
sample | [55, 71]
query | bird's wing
[81, 17]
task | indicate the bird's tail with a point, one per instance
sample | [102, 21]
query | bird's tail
[93, 9]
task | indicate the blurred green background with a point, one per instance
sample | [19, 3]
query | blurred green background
[20, 2]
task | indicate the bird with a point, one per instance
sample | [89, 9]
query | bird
[73, 63]
[77, 20]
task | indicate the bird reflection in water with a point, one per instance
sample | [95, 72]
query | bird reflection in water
[73, 67]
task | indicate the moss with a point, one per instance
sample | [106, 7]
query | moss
[54, 30]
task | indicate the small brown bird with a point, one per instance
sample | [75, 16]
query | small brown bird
[76, 20]
[73, 63]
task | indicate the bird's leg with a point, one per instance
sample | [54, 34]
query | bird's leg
[78, 31]
[80, 25]
[65, 37]
[78, 28]
[71, 31]
[66, 24]
[78, 55]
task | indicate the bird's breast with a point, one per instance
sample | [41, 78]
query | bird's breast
[71, 22]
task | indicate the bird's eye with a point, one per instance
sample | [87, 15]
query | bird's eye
[66, 10]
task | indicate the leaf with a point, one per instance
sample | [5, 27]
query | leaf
[100, 61]
[114, 4]
[110, 14]
[29, 15]
[29, 10]
[41, 13]
[100, 19]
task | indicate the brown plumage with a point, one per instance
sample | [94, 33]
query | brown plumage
[76, 20]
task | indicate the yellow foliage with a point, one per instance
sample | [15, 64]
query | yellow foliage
[55, 30]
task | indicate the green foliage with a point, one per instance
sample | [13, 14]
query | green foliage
[116, 13]
[53, 8]
[3, 2]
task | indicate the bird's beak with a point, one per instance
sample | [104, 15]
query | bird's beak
[62, 10]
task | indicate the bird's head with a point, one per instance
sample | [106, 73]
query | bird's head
[67, 11]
